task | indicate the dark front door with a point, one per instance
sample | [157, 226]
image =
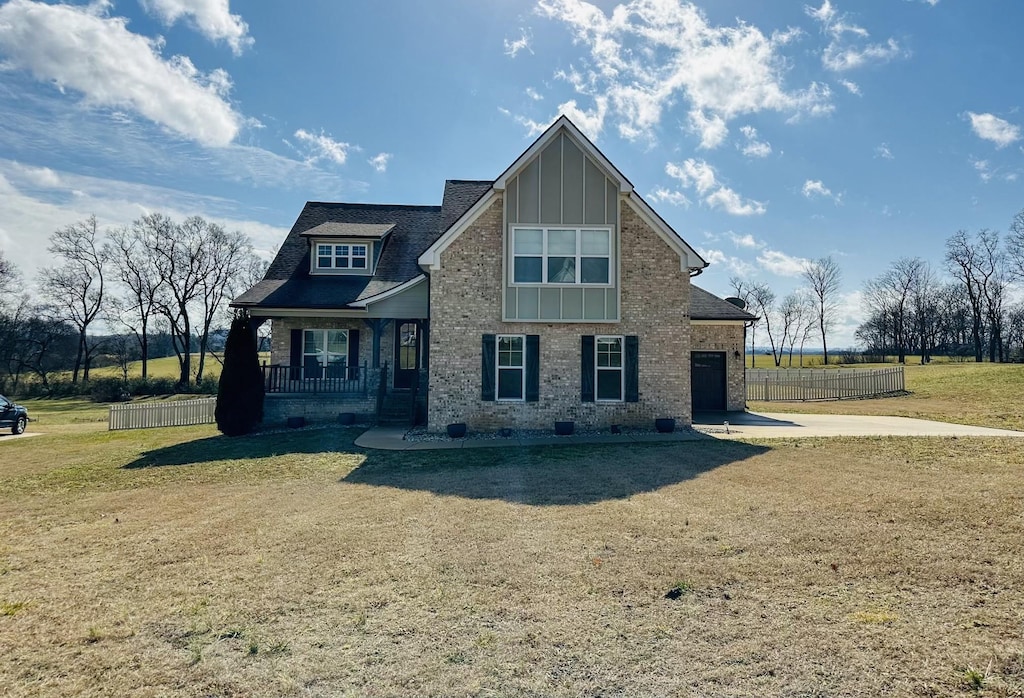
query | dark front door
[707, 380]
[407, 353]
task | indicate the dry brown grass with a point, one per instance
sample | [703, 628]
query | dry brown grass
[840, 567]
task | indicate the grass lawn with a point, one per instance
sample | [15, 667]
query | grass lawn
[984, 394]
[179, 562]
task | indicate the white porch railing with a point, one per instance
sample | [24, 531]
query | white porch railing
[822, 383]
[178, 413]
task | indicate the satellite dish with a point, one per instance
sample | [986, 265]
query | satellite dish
[738, 302]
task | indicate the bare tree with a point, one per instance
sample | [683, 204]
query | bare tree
[76, 288]
[976, 264]
[924, 305]
[824, 277]
[763, 302]
[132, 250]
[9, 277]
[1015, 248]
[742, 290]
[794, 314]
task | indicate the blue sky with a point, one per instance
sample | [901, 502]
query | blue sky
[764, 133]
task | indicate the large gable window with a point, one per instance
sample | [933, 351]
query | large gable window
[342, 256]
[561, 256]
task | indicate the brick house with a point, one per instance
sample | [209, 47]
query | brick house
[553, 292]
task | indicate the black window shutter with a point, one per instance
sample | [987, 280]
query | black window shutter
[587, 368]
[487, 359]
[632, 368]
[533, 368]
[353, 354]
[295, 361]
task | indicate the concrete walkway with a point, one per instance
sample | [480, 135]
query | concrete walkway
[741, 425]
[23, 435]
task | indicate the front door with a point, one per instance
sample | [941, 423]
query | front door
[707, 380]
[407, 353]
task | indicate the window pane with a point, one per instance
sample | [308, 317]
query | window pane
[595, 242]
[561, 270]
[359, 262]
[337, 346]
[528, 242]
[313, 342]
[609, 385]
[324, 262]
[323, 249]
[562, 242]
[341, 250]
[341, 262]
[527, 270]
[359, 250]
[594, 270]
[510, 384]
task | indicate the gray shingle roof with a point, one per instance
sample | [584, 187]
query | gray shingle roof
[409, 231]
[708, 306]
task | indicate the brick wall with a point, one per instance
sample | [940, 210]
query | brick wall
[729, 339]
[466, 304]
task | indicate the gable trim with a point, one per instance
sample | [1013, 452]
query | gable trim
[624, 185]
[384, 295]
[689, 260]
[431, 257]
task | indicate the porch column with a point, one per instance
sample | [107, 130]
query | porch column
[378, 325]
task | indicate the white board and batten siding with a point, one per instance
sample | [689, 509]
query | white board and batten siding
[795, 384]
[177, 413]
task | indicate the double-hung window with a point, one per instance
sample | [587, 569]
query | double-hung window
[608, 367]
[342, 256]
[511, 367]
[561, 256]
[323, 348]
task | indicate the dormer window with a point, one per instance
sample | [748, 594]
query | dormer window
[349, 256]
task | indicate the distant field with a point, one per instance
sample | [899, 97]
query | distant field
[984, 394]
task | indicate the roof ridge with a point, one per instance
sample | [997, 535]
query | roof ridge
[349, 204]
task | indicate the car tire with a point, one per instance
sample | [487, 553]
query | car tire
[19, 425]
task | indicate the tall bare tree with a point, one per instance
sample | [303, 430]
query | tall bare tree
[742, 289]
[762, 299]
[1015, 248]
[924, 293]
[76, 288]
[132, 253]
[824, 277]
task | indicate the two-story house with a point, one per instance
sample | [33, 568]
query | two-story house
[553, 292]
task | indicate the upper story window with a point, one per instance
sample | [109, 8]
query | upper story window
[560, 255]
[342, 257]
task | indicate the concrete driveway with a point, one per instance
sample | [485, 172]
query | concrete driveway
[767, 425]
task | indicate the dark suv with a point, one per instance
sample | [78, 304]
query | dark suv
[13, 416]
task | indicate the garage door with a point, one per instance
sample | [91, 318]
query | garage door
[707, 376]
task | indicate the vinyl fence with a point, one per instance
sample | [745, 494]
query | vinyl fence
[177, 413]
[822, 383]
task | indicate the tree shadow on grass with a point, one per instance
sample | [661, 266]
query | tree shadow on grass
[550, 475]
[257, 445]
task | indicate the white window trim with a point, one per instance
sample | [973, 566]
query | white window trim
[621, 368]
[314, 267]
[498, 367]
[324, 331]
[579, 256]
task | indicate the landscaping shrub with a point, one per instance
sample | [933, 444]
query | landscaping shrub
[240, 394]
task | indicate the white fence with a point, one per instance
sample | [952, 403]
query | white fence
[178, 413]
[822, 383]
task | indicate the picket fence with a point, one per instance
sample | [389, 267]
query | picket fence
[177, 413]
[822, 384]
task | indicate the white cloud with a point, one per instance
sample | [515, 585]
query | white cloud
[992, 128]
[647, 54]
[675, 198]
[983, 168]
[780, 263]
[379, 162]
[513, 47]
[852, 87]
[81, 49]
[882, 151]
[211, 18]
[753, 147]
[700, 176]
[733, 264]
[323, 147]
[815, 187]
[846, 50]
[743, 240]
[533, 94]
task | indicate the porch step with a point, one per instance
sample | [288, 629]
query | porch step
[396, 409]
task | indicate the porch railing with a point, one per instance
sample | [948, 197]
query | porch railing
[317, 378]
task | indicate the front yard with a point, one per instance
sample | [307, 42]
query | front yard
[176, 561]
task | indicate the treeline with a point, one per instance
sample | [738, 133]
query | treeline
[157, 287]
[963, 309]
